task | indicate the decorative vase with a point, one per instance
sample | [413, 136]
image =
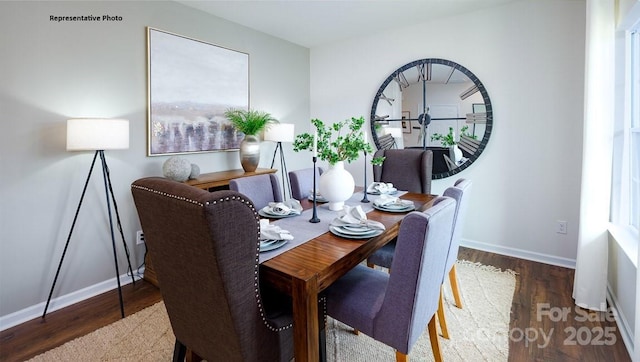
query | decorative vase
[250, 153]
[336, 185]
[455, 154]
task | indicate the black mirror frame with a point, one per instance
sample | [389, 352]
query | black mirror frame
[472, 77]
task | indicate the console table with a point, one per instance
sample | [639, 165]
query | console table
[212, 181]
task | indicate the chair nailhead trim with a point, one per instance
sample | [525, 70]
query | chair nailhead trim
[247, 202]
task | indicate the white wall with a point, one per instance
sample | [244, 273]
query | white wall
[53, 71]
[529, 175]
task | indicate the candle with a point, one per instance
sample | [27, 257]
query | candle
[315, 144]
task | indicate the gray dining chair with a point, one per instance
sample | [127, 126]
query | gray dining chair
[395, 308]
[204, 246]
[384, 256]
[302, 182]
[260, 189]
[408, 169]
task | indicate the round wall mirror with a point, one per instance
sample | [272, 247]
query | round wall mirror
[437, 105]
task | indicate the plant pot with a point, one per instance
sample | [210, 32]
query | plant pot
[336, 185]
[250, 153]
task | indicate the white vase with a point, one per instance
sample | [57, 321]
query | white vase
[455, 153]
[336, 185]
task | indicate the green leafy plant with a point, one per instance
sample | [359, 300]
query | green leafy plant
[345, 146]
[250, 122]
[448, 140]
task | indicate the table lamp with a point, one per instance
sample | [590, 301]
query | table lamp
[281, 132]
[93, 134]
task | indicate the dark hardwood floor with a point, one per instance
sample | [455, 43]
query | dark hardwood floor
[542, 291]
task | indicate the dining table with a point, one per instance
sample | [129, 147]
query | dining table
[303, 271]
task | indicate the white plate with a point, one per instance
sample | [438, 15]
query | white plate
[394, 208]
[361, 232]
[340, 232]
[267, 212]
[272, 246]
[318, 198]
[391, 191]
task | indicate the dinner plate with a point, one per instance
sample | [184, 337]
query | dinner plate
[272, 246]
[395, 208]
[343, 233]
[350, 231]
[266, 212]
[319, 199]
[391, 191]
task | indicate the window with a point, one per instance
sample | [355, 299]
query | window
[625, 186]
[634, 131]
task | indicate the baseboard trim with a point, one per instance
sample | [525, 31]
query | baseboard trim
[520, 253]
[35, 311]
[621, 321]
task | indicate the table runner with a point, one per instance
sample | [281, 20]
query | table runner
[303, 230]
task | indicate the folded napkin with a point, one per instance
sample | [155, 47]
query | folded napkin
[354, 215]
[274, 232]
[291, 206]
[381, 187]
[387, 200]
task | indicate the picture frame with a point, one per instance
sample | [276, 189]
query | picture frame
[190, 84]
[406, 126]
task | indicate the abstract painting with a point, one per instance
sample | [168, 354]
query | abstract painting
[190, 85]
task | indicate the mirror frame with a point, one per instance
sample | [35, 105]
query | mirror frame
[472, 77]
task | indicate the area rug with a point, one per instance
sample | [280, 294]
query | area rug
[479, 331]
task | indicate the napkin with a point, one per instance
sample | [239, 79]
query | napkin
[381, 187]
[386, 200]
[291, 206]
[274, 232]
[354, 215]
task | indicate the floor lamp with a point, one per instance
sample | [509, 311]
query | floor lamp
[281, 132]
[98, 135]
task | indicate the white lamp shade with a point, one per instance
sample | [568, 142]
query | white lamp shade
[97, 134]
[395, 132]
[279, 132]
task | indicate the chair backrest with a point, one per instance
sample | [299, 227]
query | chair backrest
[407, 169]
[204, 248]
[260, 189]
[460, 192]
[302, 182]
[413, 291]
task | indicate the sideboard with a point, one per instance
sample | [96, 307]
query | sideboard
[211, 181]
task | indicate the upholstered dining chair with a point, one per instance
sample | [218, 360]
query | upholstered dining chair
[302, 182]
[204, 248]
[384, 256]
[407, 169]
[260, 189]
[395, 308]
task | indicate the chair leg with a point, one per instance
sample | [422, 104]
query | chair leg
[179, 352]
[370, 264]
[401, 357]
[441, 317]
[356, 331]
[192, 356]
[433, 338]
[454, 286]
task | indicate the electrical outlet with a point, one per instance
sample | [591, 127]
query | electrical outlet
[139, 237]
[561, 227]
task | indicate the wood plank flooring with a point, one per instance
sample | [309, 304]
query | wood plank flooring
[542, 291]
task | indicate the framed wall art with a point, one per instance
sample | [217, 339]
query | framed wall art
[191, 84]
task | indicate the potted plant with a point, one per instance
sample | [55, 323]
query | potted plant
[449, 141]
[250, 122]
[337, 184]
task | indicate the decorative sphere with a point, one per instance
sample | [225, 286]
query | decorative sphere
[195, 171]
[176, 169]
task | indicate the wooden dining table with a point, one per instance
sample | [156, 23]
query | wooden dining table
[306, 270]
